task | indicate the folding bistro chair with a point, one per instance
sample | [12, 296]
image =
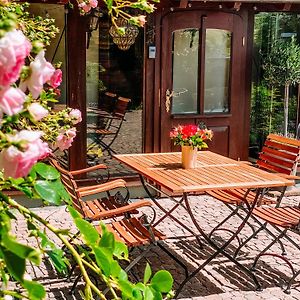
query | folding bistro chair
[91, 209]
[133, 231]
[279, 155]
[106, 135]
[284, 219]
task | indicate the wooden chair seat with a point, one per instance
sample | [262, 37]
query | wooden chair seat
[287, 217]
[96, 207]
[236, 197]
[132, 232]
[104, 132]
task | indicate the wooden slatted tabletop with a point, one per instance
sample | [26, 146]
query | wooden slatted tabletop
[213, 172]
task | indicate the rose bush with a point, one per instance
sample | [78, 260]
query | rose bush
[30, 129]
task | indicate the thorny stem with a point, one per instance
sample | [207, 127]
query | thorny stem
[24, 211]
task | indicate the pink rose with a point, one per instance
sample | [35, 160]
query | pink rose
[16, 163]
[142, 20]
[56, 79]
[14, 48]
[41, 72]
[75, 115]
[93, 3]
[37, 111]
[11, 100]
[85, 7]
[65, 139]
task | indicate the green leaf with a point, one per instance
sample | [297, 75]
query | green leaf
[32, 174]
[109, 4]
[115, 269]
[46, 191]
[107, 241]
[60, 189]
[123, 276]
[15, 264]
[136, 293]
[74, 213]
[147, 273]
[102, 260]
[156, 294]
[26, 190]
[16, 181]
[120, 250]
[21, 250]
[126, 288]
[57, 258]
[45, 242]
[35, 290]
[148, 294]
[46, 171]
[88, 231]
[140, 286]
[162, 281]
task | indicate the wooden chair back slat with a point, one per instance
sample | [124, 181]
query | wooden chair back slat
[286, 155]
[69, 183]
[280, 147]
[279, 154]
[277, 161]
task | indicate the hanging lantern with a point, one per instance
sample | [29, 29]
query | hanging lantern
[125, 40]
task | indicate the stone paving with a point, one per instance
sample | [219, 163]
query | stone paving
[219, 280]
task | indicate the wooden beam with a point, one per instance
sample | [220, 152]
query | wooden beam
[183, 3]
[76, 82]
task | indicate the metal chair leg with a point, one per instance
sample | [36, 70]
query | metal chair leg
[253, 268]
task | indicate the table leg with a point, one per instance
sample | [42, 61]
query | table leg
[168, 212]
[222, 249]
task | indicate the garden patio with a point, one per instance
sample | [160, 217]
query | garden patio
[181, 81]
[219, 280]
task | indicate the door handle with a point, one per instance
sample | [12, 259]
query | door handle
[169, 95]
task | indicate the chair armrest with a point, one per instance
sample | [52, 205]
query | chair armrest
[99, 188]
[123, 209]
[89, 169]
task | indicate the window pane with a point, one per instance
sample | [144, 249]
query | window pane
[217, 68]
[185, 71]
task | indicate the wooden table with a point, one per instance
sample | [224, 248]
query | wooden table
[213, 172]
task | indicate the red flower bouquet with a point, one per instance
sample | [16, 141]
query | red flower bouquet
[191, 135]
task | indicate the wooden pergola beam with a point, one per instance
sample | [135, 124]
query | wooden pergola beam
[183, 3]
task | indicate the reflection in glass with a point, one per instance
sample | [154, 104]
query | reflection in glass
[185, 71]
[217, 68]
[55, 52]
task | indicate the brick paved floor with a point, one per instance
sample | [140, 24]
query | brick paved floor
[219, 280]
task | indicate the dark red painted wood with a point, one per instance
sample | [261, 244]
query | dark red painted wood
[76, 84]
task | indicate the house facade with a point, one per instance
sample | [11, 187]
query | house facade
[191, 64]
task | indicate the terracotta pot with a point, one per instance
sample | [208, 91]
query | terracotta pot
[188, 157]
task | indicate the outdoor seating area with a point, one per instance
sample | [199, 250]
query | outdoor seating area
[207, 255]
[219, 280]
[150, 149]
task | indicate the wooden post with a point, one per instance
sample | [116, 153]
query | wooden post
[76, 81]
